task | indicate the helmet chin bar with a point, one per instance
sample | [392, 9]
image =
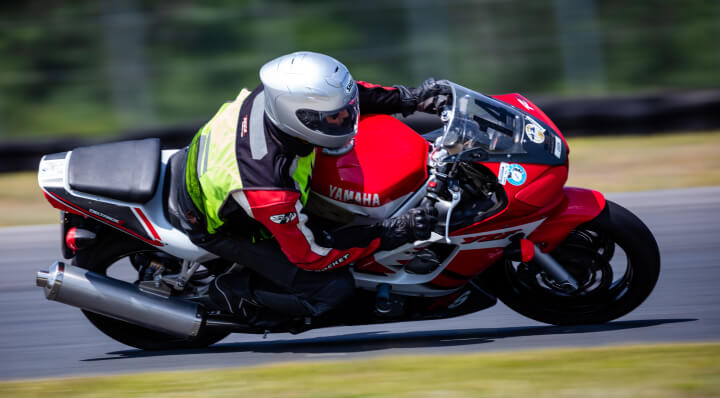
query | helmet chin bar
[339, 151]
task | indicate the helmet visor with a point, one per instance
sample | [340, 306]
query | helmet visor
[338, 122]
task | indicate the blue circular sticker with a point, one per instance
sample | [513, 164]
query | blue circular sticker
[516, 174]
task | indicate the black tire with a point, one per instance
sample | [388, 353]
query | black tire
[110, 248]
[586, 253]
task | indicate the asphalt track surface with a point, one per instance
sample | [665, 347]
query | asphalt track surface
[39, 338]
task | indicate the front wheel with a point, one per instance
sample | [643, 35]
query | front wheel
[614, 258]
[109, 253]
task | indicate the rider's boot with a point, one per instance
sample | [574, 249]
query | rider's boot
[234, 292]
[231, 293]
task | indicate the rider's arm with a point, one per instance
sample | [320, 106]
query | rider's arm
[281, 213]
[378, 99]
[401, 99]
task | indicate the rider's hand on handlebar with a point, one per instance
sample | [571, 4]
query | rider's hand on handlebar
[416, 224]
[429, 97]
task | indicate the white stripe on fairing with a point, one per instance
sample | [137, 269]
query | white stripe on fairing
[526, 229]
[145, 227]
[309, 237]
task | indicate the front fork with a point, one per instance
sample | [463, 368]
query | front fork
[524, 250]
[438, 183]
[578, 207]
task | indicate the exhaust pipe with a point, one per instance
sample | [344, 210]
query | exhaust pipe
[90, 291]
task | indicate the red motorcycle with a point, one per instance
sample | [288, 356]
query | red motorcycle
[496, 171]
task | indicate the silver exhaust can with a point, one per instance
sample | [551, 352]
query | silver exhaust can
[90, 291]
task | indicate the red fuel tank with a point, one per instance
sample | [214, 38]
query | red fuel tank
[387, 163]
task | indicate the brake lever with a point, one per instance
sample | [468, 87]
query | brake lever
[455, 192]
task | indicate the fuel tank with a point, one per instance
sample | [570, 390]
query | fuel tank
[387, 164]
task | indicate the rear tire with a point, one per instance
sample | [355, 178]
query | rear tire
[114, 246]
[586, 253]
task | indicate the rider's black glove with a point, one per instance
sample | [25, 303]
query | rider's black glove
[416, 224]
[429, 97]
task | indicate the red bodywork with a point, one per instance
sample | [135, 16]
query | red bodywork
[64, 205]
[523, 103]
[389, 162]
[386, 163]
[390, 159]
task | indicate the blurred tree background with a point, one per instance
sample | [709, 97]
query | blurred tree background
[87, 67]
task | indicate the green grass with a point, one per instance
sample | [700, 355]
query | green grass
[636, 163]
[657, 371]
[607, 164]
[23, 202]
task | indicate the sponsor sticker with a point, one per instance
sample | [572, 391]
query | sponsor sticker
[349, 84]
[368, 199]
[244, 127]
[513, 173]
[105, 216]
[525, 104]
[535, 133]
[557, 148]
[283, 218]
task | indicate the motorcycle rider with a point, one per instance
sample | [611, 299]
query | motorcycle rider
[247, 178]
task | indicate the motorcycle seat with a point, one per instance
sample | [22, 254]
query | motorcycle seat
[126, 170]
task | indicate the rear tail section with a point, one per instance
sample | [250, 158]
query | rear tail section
[54, 179]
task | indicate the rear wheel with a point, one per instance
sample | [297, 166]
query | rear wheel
[112, 251]
[614, 258]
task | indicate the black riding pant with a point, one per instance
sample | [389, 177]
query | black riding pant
[282, 286]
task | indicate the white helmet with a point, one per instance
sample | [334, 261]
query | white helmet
[313, 97]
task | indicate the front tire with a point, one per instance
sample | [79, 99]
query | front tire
[112, 247]
[612, 284]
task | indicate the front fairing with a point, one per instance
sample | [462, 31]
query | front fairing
[482, 128]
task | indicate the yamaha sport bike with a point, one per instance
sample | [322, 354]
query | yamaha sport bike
[509, 229]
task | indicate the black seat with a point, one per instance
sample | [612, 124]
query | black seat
[126, 170]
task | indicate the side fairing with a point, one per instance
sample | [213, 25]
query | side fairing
[579, 206]
[386, 165]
